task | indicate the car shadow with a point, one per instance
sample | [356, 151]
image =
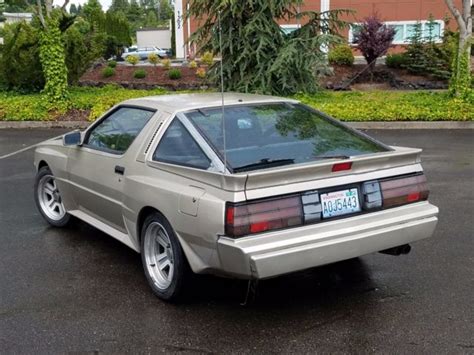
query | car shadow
[324, 284]
[320, 285]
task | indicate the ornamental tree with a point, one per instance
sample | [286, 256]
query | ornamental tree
[460, 84]
[373, 39]
[51, 50]
[257, 55]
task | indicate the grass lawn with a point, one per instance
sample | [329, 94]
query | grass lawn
[89, 103]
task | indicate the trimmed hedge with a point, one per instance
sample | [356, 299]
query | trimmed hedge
[347, 106]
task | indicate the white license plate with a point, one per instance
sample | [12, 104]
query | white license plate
[339, 203]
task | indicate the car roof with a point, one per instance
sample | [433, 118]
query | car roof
[185, 102]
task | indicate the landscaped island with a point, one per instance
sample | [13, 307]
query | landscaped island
[87, 103]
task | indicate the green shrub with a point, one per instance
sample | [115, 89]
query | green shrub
[207, 58]
[20, 67]
[424, 56]
[201, 73]
[112, 63]
[107, 72]
[397, 60]
[174, 74]
[153, 59]
[193, 64]
[341, 55]
[166, 63]
[139, 74]
[133, 59]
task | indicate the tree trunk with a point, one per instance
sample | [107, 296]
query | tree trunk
[53, 61]
[460, 84]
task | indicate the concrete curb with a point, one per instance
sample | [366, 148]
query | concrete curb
[44, 124]
[413, 125]
[357, 125]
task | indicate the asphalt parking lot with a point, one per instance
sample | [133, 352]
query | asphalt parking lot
[78, 290]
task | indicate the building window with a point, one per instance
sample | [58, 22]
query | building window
[405, 29]
[287, 29]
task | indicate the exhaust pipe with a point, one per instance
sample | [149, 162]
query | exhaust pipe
[401, 249]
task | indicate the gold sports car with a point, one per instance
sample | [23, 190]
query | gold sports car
[259, 187]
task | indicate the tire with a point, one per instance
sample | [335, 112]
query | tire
[164, 263]
[48, 199]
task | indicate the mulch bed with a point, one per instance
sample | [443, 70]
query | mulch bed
[384, 78]
[74, 115]
[155, 77]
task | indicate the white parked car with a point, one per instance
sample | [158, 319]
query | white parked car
[144, 52]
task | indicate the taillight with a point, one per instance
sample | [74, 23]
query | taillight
[255, 217]
[405, 190]
[246, 218]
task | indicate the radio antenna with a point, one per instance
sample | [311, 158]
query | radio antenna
[222, 91]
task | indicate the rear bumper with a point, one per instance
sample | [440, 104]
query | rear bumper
[276, 253]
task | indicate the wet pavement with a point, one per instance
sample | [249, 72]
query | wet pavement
[78, 290]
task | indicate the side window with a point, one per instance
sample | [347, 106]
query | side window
[178, 147]
[119, 129]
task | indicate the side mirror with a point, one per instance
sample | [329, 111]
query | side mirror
[73, 138]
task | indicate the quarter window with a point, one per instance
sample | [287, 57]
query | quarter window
[178, 147]
[117, 132]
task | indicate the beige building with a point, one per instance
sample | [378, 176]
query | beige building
[154, 37]
[12, 17]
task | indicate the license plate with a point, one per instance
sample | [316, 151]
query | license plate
[339, 203]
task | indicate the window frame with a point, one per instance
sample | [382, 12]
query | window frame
[405, 24]
[215, 164]
[107, 115]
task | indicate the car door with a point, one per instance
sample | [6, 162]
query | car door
[96, 169]
[141, 52]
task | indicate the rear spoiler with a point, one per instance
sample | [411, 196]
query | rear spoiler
[302, 177]
[398, 161]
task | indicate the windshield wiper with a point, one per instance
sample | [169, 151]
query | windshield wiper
[264, 163]
[331, 157]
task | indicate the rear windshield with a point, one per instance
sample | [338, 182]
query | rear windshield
[268, 135]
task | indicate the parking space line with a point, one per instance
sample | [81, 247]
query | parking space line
[18, 151]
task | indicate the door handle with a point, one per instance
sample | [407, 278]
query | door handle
[119, 169]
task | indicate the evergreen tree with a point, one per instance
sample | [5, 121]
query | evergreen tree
[116, 25]
[135, 14]
[151, 20]
[73, 9]
[92, 12]
[119, 5]
[257, 56]
[166, 11]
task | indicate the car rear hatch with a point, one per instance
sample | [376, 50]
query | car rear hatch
[296, 195]
[333, 172]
